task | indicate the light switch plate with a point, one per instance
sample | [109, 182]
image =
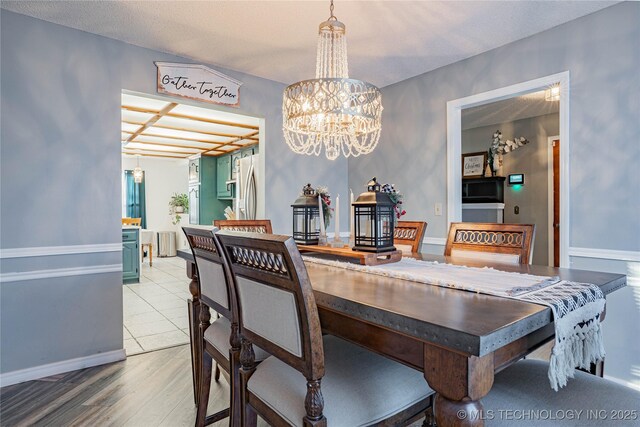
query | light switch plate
[438, 209]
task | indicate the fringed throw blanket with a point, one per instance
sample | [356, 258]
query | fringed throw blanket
[576, 311]
[576, 307]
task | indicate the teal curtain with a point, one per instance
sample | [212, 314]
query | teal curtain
[135, 198]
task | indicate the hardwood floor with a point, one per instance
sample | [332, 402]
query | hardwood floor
[149, 389]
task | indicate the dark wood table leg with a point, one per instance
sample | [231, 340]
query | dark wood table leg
[193, 305]
[460, 381]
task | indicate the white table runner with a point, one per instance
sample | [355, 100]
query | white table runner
[576, 307]
[484, 280]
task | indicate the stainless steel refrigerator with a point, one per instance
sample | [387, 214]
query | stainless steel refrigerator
[248, 176]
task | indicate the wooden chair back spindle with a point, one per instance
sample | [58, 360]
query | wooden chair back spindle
[245, 225]
[510, 243]
[410, 233]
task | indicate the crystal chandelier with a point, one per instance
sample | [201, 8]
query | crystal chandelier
[332, 110]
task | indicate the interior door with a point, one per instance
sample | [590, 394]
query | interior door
[556, 203]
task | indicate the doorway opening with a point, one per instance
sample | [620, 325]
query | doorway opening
[190, 155]
[559, 84]
[512, 185]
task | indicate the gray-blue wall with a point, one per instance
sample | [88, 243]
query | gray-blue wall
[602, 53]
[60, 186]
[60, 163]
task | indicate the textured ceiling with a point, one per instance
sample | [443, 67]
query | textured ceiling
[508, 110]
[389, 41]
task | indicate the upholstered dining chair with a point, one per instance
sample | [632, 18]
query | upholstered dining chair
[132, 221]
[219, 339]
[408, 235]
[505, 243]
[245, 225]
[586, 400]
[310, 380]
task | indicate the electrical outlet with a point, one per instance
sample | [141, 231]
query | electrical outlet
[438, 209]
[516, 210]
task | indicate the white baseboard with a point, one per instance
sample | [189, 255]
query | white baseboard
[59, 272]
[59, 250]
[629, 384]
[29, 374]
[605, 254]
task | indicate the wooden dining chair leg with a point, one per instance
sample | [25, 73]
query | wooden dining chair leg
[150, 255]
[216, 376]
[249, 417]
[205, 386]
[248, 367]
[430, 418]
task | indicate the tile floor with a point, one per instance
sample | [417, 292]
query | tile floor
[155, 310]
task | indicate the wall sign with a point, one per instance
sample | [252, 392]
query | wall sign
[198, 82]
[473, 164]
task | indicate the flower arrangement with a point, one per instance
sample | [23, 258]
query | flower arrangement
[396, 198]
[327, 210]
[499, 147]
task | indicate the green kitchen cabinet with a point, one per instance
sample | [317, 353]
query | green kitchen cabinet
[130, 255]
[194, 203]
[194, 170]
[204, 206]
[224, 163]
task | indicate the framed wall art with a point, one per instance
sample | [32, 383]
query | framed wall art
[473, 164]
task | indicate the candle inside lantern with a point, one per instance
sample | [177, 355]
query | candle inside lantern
[336, 237]
[323, 234]
[351, 230]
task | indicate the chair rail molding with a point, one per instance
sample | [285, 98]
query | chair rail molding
[21, 276]
[28, 374]
[59, 250]
[633, 256]
[454, 146]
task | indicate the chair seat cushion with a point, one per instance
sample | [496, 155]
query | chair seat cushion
[406, 249]
[218, 333]
[523, 390]
[359, 387]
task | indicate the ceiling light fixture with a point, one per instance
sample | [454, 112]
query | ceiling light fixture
[332, 110]
[137, 172]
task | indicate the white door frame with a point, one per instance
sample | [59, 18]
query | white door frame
[550, 199]
[454, 146]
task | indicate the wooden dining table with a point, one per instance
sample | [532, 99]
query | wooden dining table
[458, 339]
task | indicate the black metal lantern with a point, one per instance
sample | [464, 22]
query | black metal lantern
[306, 217]
[373, 220]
